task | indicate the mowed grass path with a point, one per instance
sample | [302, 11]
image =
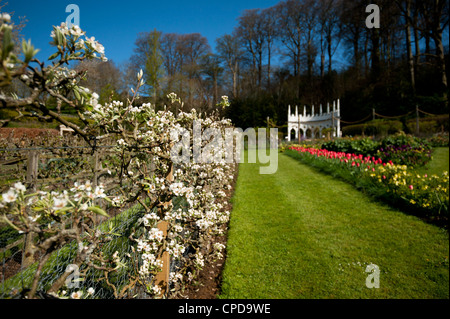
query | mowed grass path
[303, 234]
[438, 164]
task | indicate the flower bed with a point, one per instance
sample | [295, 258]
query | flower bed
[397, 184]
[400, 148]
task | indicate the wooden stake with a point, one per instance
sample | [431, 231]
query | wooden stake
[162, 277]
[32, 174]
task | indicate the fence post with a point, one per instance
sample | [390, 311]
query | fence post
[32, 169]
[162, 277]
[32, 173]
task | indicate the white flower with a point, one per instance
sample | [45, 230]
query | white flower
[77, 197]
[116, 201]
[79, 45]
[35, 218]
[91, 291]
[87, 185]
[20, 187]
[90, 195]
[99, 192]
[59, 203]
[76, 294]
[156, 234]
[76, 31]
[99, 48]
[5, 17]
[156, 290]
[10, 196]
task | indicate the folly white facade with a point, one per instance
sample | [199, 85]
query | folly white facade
[312, 125]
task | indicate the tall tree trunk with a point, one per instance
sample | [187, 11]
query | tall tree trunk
[329, 53]
[366, 57]
[416, 41]
[437, 37]
[376, 65]
[235, 72]
[427, 47]
[268, 66]
[322, 56]
[408, 46]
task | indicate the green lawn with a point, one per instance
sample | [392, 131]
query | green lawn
[438, 164]
[303, 234]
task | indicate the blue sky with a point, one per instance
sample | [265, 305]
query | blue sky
[115, 24]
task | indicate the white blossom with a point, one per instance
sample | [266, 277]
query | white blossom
[59, 203]
[10, 196]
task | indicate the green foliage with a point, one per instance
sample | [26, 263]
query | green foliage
[108, 94]
[399, 148]
[154, 63]
[439, 140]
[430, 125]
[374, 128]
[365, 146]
[252, 111]
[405, 150]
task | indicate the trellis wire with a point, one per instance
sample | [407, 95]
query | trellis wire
[17, 284]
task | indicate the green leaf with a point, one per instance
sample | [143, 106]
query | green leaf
[8, 45]
[9, 223]
[98, 210]
[54, 56]
[59, 37]
[28, 50]
[77, 94]
[64, 209]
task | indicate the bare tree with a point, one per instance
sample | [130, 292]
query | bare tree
[230, 51]
[100, 74]
[250, 31]
[431, 18]
[329, 32]
[270, 32]
[190, 49]
[291, 28]
[352, 16]
[171, 58]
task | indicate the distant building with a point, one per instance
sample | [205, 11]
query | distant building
[312, 125]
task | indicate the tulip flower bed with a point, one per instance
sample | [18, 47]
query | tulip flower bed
[399, 185]
[400, 148]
